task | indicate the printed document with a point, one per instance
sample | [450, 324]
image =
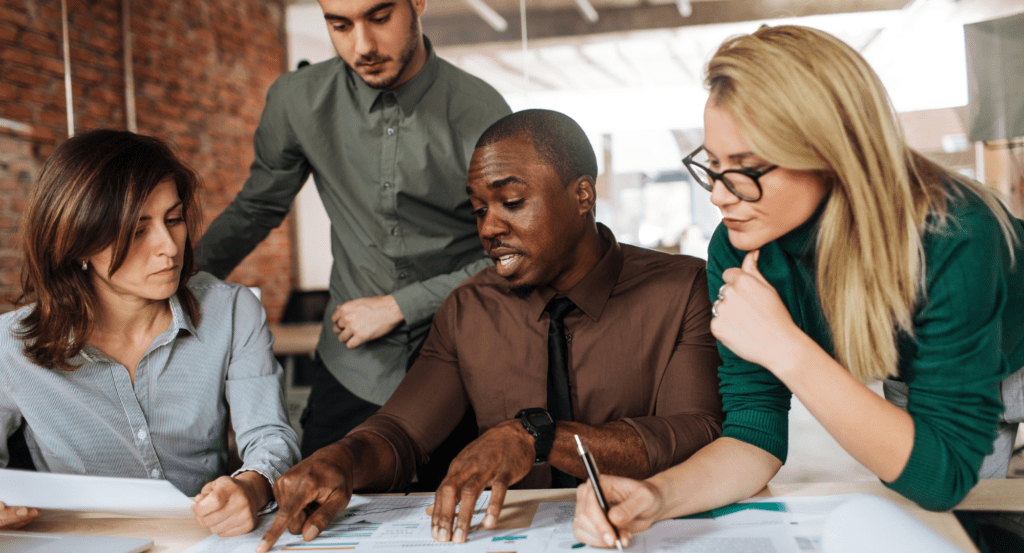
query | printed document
[73, 492]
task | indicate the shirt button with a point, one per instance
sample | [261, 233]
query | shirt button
[141, 434]
[402, 275]
[394, 231]
[391, 131]
[387, 185]
[155, 473]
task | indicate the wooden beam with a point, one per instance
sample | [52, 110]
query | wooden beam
[467, 28]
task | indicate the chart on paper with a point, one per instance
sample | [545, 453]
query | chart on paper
[387, 523]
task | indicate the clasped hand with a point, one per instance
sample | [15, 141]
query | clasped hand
[497, 459]
[750, 318]
[365, 319]
[228, 505]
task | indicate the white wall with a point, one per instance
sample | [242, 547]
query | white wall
[308, 40]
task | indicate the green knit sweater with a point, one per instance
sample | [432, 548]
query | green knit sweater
[969, 334]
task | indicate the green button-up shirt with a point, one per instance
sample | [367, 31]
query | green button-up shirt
[391, 168]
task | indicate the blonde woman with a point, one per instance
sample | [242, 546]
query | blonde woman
[843, 257]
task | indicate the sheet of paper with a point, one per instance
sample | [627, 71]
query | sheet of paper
[868, 523]
[384, 523]
[135, 496]
[788, 525]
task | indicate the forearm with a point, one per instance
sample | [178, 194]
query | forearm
[616, 446]
[875, 432]
[419, 301]
[373, 460]
[724, 472]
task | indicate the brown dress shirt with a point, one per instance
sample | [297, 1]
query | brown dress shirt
[640, 351]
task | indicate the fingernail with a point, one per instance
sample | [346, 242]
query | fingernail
[22, 511]
[442, 535]
[460, 535]
[489, 521]
[609, 539]
[262, 547]
[309, 534]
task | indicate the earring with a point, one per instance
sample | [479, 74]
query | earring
[85, 264]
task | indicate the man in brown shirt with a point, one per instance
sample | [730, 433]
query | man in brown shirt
[641, 358]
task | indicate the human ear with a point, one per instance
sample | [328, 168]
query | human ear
[586, 193]
[418, 6]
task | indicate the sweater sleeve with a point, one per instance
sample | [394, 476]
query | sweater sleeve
[755, 402]
[954, 364]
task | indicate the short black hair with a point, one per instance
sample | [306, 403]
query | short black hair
[558, 140]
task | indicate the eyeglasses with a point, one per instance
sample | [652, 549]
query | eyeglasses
[743, 183]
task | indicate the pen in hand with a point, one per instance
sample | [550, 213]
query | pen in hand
[591, 465]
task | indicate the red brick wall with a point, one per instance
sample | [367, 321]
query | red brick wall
[202, 69]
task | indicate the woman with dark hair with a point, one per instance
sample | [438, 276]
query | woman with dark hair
[125, 361]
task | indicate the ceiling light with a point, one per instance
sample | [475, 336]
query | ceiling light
[496, 21]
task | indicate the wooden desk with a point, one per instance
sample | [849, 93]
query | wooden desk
[295, 338]
[174, 536]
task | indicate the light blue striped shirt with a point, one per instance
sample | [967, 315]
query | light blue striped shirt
[173, 423]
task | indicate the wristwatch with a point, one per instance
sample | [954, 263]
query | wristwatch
[539, 423]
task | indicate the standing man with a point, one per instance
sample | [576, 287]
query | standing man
[387, 130]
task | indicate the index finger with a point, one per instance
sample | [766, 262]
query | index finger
[272, 534]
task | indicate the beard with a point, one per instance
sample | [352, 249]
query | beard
[387, 81]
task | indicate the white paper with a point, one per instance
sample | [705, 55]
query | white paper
[826, 524]
[869, 523]
[134, 496]
[384, 523]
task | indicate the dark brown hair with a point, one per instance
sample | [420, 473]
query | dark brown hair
[90, 196]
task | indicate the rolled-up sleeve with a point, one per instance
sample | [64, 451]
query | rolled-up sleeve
[687, 413]
[426, 407]
[267, 444]
[956, 362]
[756, 403]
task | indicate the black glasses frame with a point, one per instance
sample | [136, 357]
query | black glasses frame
[754, 175]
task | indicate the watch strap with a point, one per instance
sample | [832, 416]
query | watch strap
[543, 435]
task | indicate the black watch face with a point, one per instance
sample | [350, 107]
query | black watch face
[538, 419]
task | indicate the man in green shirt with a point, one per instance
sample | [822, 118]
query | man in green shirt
[387, 130]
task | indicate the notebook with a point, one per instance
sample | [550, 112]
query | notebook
[13, 541]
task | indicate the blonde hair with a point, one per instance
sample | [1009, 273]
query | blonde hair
[805, 100]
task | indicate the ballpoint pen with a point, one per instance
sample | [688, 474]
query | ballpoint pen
[591, 465]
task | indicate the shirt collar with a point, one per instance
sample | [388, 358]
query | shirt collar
[180, 321]
[407, 95]
[592, 292]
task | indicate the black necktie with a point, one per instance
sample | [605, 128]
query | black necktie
[559, 400]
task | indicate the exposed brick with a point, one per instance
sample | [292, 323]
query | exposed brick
[16, 112]
[186, 54]
[40, 44]
[17, 55]
[14, 16]
[24, 77]
[8, 34]
[8, 92]
[53, 66]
